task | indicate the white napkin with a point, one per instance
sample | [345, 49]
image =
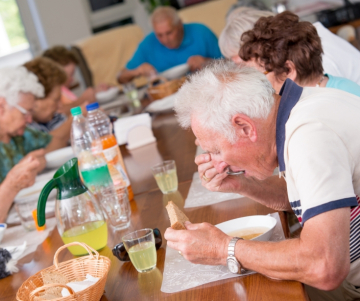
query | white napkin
[123, 125]
[199, 196]
[78, 286]
[164, 104]
[180, 274]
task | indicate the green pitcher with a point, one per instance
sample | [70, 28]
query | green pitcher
[78, 215]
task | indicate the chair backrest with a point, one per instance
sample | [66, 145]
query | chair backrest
[106, 53]
[210, 13]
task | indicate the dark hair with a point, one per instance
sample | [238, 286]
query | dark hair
[61, 55]
[274, 40]
[48, 72]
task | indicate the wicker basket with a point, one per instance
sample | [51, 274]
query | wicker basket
[95, 265]
[165, 88]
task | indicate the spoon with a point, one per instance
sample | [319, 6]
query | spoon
[235, 173]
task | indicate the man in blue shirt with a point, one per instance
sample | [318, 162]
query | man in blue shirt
[172, 43]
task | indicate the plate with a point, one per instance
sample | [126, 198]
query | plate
[162, 105]
[105, 96]
[265, 221]
[175, 72]
[57, 158]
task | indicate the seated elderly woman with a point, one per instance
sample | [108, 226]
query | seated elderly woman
[283, 47]
[339, 58]
[68, 61]
[44, 112]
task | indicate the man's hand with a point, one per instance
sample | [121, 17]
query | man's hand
[200, 243]
[214, 181]
[146, 69]
[88, 95]
[23, 174]
[196, 62]
[102, 87]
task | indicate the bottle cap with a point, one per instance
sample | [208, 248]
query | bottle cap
[92, 106]
[75, 111]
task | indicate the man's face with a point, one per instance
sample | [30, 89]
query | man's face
[255, 158]
[168, 34]
[45, 109]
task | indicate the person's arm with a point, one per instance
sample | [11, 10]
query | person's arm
[127, 75]
[88, 96]
[20, 176]
[270, 192]
[60, 136]
[197, 62]
[320, 257]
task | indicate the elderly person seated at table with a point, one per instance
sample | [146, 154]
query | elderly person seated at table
[18, 89]
[68, 61]
[313, 136]
[44, 112]
[284, 47]
[340, 58]
[172, 43]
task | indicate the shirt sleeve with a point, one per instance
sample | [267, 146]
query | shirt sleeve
[139, 56]
[34, 139]
[212, 43]
[321, 168]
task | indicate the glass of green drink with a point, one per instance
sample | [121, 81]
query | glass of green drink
[165, 176]
[140, 246]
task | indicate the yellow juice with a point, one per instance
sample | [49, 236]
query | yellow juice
[93, 234]
[143, 256]
[167, 181]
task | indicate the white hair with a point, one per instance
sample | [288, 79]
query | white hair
[239, 20]
[218, 92]
[165, 13]
[14, 80]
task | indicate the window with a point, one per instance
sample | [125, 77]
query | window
[12, 33]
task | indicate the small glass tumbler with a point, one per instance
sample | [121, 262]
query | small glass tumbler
[140, 246]
[115, 206]
[132, 94]
[165, 176]
[25, 210]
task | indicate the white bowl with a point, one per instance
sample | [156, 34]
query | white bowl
[175, 72]
[2, 230]
[254, 221]
[57, 158]
[105, 96]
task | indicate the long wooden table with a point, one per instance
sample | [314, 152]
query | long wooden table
[124, 282]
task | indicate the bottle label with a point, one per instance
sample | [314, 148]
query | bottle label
[113, 157]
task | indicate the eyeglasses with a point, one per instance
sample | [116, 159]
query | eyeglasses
[120, 252]
[22, 110]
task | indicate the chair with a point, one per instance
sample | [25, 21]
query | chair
[103, 55]
[211, 13]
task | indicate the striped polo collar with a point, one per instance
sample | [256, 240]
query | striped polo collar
[290, 94]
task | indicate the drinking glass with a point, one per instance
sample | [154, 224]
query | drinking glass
[140, 246]
[165, 176]
[115, 206]
[132, 94]
[24, 210]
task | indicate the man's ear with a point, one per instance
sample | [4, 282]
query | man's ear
[3, 105]
[244, 127]
[292, 70]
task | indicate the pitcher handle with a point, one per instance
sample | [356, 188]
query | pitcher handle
[42, 201]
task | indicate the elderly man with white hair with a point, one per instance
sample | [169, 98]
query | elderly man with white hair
[172, 43]
[313, 136]
[340, 58]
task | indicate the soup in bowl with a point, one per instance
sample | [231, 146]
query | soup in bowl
[255, 227]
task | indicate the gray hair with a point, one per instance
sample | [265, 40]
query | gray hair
[165, 13]
[239, 20]
[14, 80]
[218, 92]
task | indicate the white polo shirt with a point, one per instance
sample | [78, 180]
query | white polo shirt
[318, 146]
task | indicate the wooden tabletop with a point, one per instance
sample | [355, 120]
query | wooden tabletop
[148, 210]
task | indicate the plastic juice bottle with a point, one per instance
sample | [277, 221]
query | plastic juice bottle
[100, 123]
[87, 147]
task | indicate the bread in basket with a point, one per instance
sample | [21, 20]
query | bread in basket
[164, 88]
[93, 264]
